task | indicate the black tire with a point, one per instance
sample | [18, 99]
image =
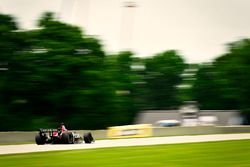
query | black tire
[67, 138]
[71, 138]
[88, 138]
[40, 140]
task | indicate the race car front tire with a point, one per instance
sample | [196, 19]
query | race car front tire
[88, 138]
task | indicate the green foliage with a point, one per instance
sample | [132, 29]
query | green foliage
[56, 73]
[225, 84]
[9, 44]
[118, 69]
[162, 76]
[209, 89]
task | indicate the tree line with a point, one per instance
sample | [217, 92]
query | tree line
[225, 82]
[57, 73]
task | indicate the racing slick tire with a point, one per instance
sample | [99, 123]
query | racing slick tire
[88, 138]
[67, 138]
[40, 140]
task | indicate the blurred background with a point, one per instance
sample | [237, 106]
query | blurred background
[93, 64]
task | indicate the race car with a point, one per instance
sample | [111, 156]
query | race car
[56, 136]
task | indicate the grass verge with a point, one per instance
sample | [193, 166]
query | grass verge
[208, 154]
[16, 143]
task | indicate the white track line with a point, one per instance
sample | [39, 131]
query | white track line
[26, 148]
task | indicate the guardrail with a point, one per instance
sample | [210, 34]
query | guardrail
[22, 137]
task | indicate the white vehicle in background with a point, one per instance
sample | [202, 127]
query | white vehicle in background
[167, 123]
[207, 120]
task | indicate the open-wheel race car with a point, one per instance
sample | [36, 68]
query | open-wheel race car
[56, 136]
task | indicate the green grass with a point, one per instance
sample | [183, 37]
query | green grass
[16, 143]
[212, 154]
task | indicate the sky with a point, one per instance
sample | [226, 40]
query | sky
[198, 29]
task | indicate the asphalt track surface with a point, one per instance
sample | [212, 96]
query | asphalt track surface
[27, 148]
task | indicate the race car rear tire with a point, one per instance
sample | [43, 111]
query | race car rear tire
[88, 138]
[67, 138]
[40, 140]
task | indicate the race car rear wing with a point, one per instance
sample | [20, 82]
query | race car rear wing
[48, 130]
